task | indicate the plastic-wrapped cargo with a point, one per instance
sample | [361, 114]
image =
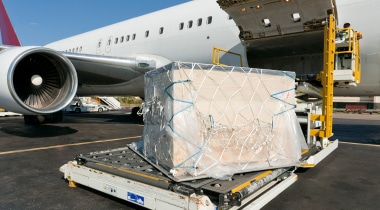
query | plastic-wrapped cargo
[217, 121]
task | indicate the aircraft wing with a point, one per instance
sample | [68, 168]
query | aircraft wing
[105, 75]
[105, 70]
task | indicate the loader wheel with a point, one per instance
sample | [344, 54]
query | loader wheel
[134, 112]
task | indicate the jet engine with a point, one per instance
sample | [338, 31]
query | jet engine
[36, 80]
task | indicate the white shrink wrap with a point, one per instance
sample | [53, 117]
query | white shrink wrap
[217, 121]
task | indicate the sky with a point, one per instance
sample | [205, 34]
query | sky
[39, 22]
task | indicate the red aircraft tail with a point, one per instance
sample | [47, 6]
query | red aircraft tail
[8, 34]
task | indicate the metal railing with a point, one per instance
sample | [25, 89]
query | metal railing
[216, 55]
[347, 43]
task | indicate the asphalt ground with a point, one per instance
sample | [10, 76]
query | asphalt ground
[349, 178]
[30, 157]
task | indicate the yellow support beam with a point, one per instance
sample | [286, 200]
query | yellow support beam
[357, 73]
[327, 80]
[317, 117]
[314, 132]
[328, 76]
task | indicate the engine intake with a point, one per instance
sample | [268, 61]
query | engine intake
[36, 80]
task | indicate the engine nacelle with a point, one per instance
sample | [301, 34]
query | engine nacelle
[36, 80]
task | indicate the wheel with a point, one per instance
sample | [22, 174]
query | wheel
[77, 110]
[56, 117]
[34, 119]
[29, 119]
[100, 110]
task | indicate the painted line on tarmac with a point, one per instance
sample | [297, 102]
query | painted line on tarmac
[66, 145]
[370, 145]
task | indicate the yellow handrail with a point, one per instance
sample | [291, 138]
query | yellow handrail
[353, 47]
[216, 56]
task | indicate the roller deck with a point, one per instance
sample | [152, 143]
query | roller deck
[125, 174]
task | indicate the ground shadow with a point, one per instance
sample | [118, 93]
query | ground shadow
[38, 131]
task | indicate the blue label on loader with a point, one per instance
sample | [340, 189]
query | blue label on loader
[134, 198]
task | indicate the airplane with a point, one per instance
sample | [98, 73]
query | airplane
[112, 60]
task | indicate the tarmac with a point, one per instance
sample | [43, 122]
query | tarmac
[30, 157]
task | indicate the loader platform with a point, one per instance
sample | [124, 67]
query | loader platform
[125, 174]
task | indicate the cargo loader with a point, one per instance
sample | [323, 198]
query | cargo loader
[142, 177]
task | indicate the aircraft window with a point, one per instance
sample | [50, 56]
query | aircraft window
[209, 20]
[116, 40]
[181, 25]
[190, 25]
[100, 43]
[161, 31]
[76, 50]
[109, 41]
[69, 50]
[229, 17]
[80, 49]
[128, 37]
[146, 33]
[122, 39]
[133, 36]
[73, 49]
[199, 21]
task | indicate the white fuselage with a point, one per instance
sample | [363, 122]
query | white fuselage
[160, 34]
[362, 15]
